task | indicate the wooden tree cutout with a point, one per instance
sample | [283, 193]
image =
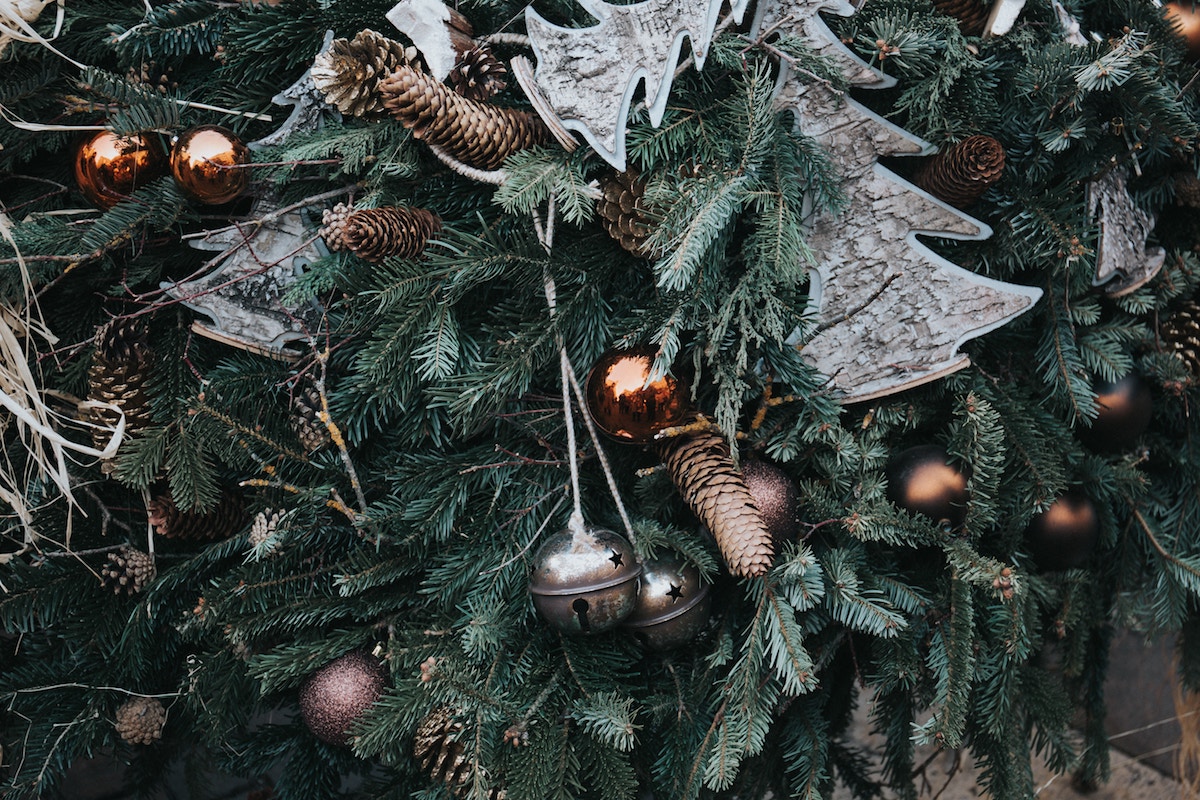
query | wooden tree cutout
[586, 78]
[890, 312]
[1123, 262]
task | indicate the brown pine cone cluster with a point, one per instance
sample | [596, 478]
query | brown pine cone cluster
[349, 72]
[960, 174]
[127, 570]
[118, 374]
[442, 756]
[478, 134]
[1180, 332]
[623, 212]
[702, 468]
[140, 720]
[374, 234]
[222, 522]
[478, 75]
[971, 14]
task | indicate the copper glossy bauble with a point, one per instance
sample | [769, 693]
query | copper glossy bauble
[108, 168]
[1123, 413]
[337, 694]
[673, 604]
[584, 581]
[626, 407]
[1186, 18]
[208, 163]
[1065, 534]
[774, 493]
[922, 480]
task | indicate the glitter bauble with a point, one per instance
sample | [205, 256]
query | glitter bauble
[208, 163]
[1123, 412]
[673, 604]
[1065, 534]
[584, 581]
[337, 694]
[1185, 17]
[624, 405]
[774, 493]
[921, 480]
[108, 168]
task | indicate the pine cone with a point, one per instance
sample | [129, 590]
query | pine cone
[441, 756]
[140, 720]
[960, 174]
[1187, 189]
[971, 14]
[702, 468]
[478, 134]
[120, 367]
[374, 234]
[349, 72]
[1180, 332]
[127, 570]
[333, 226]
[152, 76]
[224, 521]
[310, 430]
[623, 212]
[265, 524]
[478, 75]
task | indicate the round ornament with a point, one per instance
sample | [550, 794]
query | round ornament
[208, 163]
[108, 168]
[922, 480]
[627, 407]
[1065, 534]
[337, 694]
[672, 604]
[585, 581]
[1186, 18]
[1123, 412]
[774, 493]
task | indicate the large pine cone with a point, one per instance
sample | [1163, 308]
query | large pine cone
[127, 570]
[960, 174]
[623, 212]
[374, 234]
[477, 134]
[478, 75]
[349, 72]
[120, 368]
[1180, 332]
[224, 521]
[140, 720]
[702, 468]
[971, 14]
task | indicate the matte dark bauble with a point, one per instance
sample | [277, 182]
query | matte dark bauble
[1186, 18]
[1064, 535]
[673, 604]
[1123, 412]
[774, 493]
[208, 163]
[585, 581]
[922, 480]
[337, 694]
[108, 168]
[626, 407]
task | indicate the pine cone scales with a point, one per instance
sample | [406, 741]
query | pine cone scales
[623, 212]
[702, 469]
[140, 720]
[960, 174]
[478, 75]
[374, 234]
[1180, 333]
[437, 751]
[971, 14]
[349, 72]
[117, 375]
[477, 134]
[127, 570]
[306, 422]
[225, 520]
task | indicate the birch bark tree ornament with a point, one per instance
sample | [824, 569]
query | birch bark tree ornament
[1123, 262]
[308, 105]
[890, 312]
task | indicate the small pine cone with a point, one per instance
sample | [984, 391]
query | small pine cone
[623, 212]
[140, 720]
[971, 14]
[265, 524]
[702, 469]
[374, 234]
[222, 522]
[118, 373]
[127, 570]
[478, 75]
[1187, 189]
[333, 226]
[442, 756]
[477, 134]
[349, 72]
[960, 174]
[1180, 332]
[306, 422]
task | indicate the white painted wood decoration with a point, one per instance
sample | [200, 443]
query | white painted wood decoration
[1123, 262]
[588, 77]
[891, 313]
[308, 106]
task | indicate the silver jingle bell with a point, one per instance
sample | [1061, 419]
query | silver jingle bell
[673, 604]
[585, 581]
